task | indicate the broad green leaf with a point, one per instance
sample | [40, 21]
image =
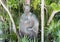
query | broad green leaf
[55, 6]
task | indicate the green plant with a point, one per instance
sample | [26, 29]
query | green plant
[54, 31]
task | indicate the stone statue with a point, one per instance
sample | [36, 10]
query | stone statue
[28, 23]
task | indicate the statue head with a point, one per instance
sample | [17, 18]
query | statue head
[26, 9]
[26, 6]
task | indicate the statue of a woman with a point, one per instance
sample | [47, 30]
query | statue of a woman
[28, 23]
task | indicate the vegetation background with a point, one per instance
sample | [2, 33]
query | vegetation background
[52, 11]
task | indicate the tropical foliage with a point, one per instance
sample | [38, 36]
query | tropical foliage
[51, 31]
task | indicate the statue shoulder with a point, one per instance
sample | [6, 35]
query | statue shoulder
[22, 16]
[33, 16]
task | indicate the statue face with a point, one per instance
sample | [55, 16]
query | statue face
[26, 9]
